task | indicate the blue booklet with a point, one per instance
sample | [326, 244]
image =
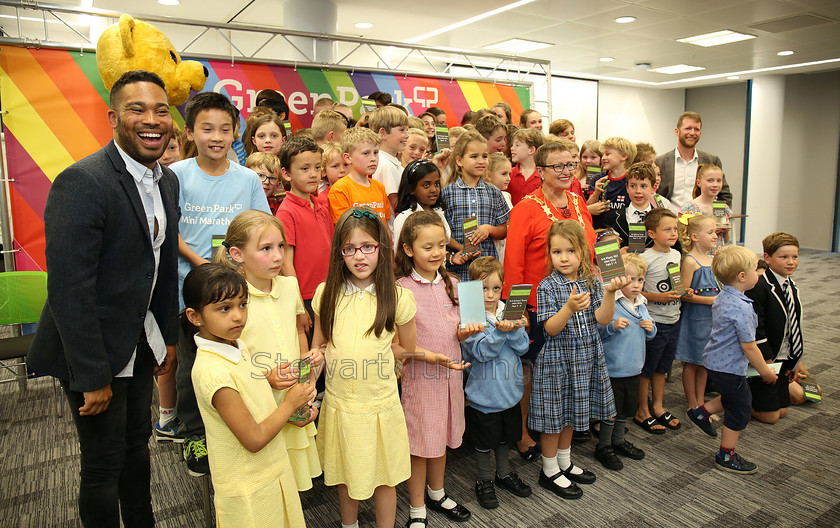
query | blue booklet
[471, 302]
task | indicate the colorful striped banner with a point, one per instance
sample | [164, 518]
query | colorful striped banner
[57, 106]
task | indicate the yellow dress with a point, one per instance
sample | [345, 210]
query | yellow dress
[252, 489]
[272, 337]
[362, 437]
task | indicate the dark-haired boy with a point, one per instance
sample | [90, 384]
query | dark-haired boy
[213, 191]
[307, 222]
[779, 334]
[640, 181]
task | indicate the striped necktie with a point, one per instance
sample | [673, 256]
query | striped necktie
[795, 332]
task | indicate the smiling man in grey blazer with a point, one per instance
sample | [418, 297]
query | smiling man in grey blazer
[110, 321]
[678, 167]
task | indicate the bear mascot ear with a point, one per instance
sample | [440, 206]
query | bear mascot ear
[135, 45]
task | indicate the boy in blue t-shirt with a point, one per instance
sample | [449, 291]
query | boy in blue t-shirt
[730, 350]
[213, 191]
[494, 387]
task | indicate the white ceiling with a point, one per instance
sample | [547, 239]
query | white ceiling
[581, 31]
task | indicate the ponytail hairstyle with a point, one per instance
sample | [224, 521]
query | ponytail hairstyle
[701, 170]
[689, 224]
[245, 227]
[366, 219]
[403, 264]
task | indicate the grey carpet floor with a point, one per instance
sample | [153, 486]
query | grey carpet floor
[797, 483]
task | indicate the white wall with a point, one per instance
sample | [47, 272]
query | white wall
[577, 101]
[639, 114]
[811, 135]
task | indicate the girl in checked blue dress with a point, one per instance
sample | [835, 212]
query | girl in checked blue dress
[698, 238]
[571, 385]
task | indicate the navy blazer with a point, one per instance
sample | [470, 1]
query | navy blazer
[100, 267]
[769, 303]
[665, 162]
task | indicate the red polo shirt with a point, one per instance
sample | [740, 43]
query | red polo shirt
[314, 228]
[519, 187]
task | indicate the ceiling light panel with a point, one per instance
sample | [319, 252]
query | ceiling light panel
[516, 45]
[716, 38]
[676, 68]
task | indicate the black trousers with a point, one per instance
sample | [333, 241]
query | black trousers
[116, 470]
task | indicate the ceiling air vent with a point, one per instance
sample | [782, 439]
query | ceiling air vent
[780, 25]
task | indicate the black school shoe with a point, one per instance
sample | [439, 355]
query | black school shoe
[486, 494]
[457, 514]
[629, 450]
[572, 491]
[607, 457]
[514, 484]
[587, 477]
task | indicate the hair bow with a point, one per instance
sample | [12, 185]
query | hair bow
[358, 213]
[685, 217]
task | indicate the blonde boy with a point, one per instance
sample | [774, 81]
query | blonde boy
[616, 154]
[523, 178]
[360, 149]
[267, 167]
[392, 126]
[328, 126]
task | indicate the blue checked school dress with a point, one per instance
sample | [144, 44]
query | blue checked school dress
[571, 385]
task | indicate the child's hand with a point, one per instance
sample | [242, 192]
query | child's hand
[301, 394]
[647, 324]
[507, 326]
[461, 258]
[769, 376]
[313, 413]
[316, 356]
[671, 296]
[601, 185]
[620, 323]
[525, 323]
[598, 207]
[281, 377]
[441, 159]
[616, 283]
[444, 361]
[578, 301]
[469, 330]
[305, 321]
[689, 295]
[480, 234]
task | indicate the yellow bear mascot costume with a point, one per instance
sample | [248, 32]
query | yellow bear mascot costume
[135, 45]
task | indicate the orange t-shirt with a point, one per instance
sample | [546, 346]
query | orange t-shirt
[346, 193]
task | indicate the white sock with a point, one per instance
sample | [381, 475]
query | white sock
[436, 495]
[354, 525]
[564, 460]
[166, 416]
[551, 468]
[416, 513]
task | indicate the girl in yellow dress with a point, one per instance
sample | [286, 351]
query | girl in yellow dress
[254, 245]
[366, 321]
[248, 460]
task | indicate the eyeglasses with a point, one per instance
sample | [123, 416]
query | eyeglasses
[572, 165]
[270, 179]
[367, 249]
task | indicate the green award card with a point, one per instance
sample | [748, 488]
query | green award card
[658, 201]
[287, 129]
[637, 238]
[471, 302]
[368, 106]
[215, 242]
[470, 225]
[304, 369]
[441, 137]
[812, 390]
[609, 260]
[516, 302]
[719, 213]
[676, 279]
[591, 172]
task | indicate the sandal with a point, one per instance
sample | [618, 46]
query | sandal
[648, 424]
[532, 453]
[666, 420]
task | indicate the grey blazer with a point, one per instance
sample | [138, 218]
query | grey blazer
[666, 168]
[100, 268]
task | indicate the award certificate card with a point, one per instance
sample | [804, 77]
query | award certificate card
[470, 225]
[609, 260]
[637, 238]
[441, 137]
[287, 129]
[719, 212]
[368, 106]
[516, 302]
[676, 279]
[591, 172]
[304, 369]
[812, 390]
[775, 367]
[471, 302]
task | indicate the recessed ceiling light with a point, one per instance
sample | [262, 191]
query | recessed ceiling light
[364, 25]
[677, 68]
[732, 78]
[716, 39]
[517, 45]
[784, 53]
[625, 19]
[467, 21]
[169, 2]
[606, 59]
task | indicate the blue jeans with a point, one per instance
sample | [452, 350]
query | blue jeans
[116, 470]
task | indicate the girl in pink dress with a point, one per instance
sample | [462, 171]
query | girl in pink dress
[432, 394]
